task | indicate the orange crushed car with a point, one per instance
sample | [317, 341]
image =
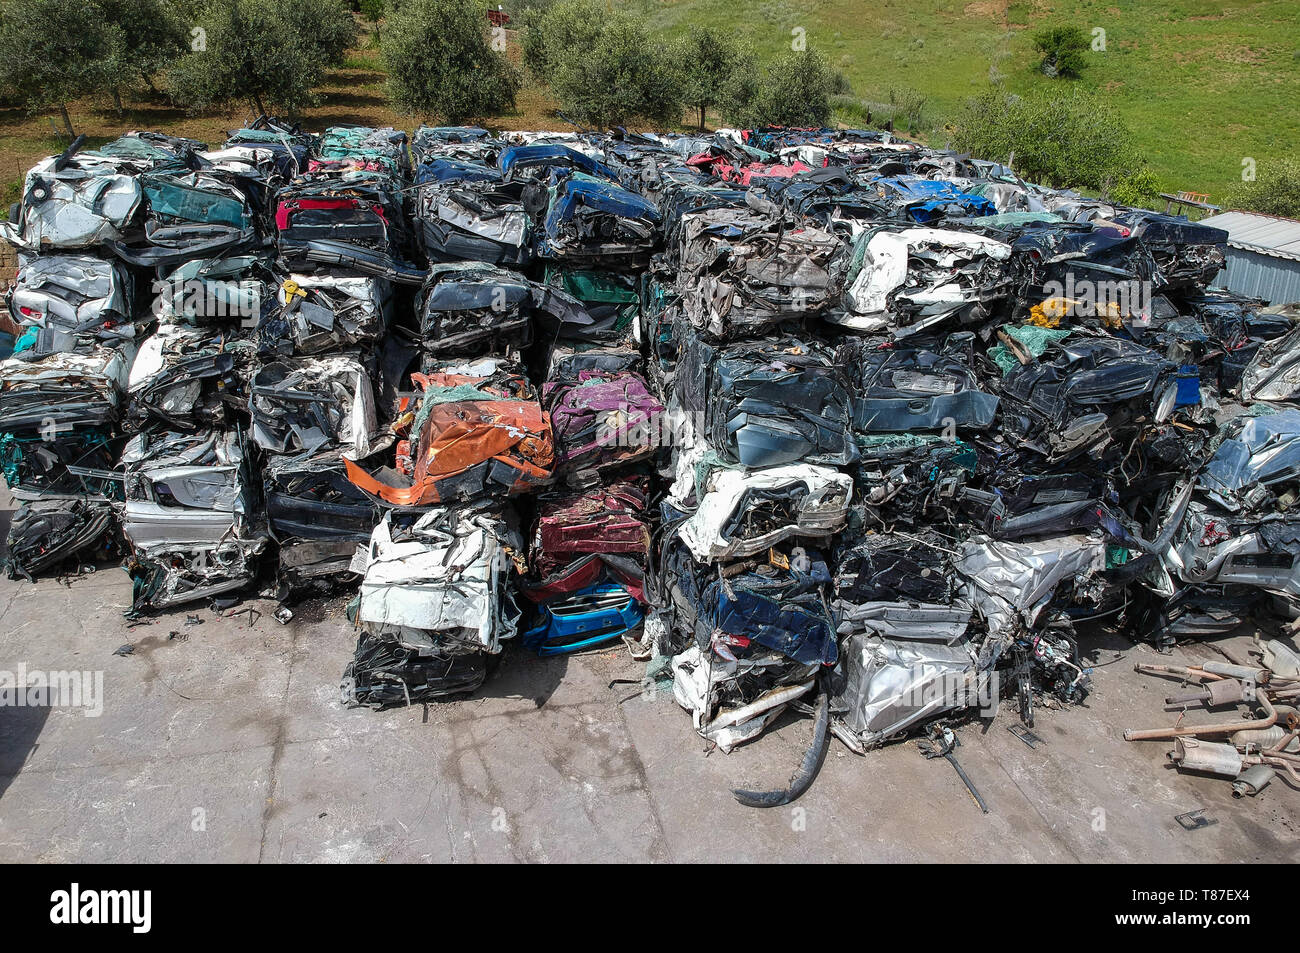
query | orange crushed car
[470, 436]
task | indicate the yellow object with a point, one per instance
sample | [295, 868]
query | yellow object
[1049, 312]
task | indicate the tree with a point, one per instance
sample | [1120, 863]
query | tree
[325, 24]
[1069, 139]
[55, 51]
[1275, 190]
[373, 11]
[705, 59]
[739, 100]
[153, 38]
[793, 90]
[554, 33]
[1062, 48]
[440, 61]
[250, 51]
[622, 74]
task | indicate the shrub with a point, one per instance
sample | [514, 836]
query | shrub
[1140, 188]
[909, 106]
[1062, 48]
[853, 111]
[1275, 191]
[1067, 139]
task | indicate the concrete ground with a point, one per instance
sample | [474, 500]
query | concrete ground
[227, 742]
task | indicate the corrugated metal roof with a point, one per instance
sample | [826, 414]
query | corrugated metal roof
[1266, 234]
[1276, 280]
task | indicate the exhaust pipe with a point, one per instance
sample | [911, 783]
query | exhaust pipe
[1212, 757]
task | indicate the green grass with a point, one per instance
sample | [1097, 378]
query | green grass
[852, 111]
[365, 61]
[1202, 84]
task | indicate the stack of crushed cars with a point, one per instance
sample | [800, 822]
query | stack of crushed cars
[522, 423]
[932, 423]
[813, 421]
[124, 408]
[231, 370]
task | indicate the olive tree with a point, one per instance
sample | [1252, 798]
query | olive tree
[794, 89]
[552, 34]
[153, 37]
[55, 51]
[251, 50]
[1062, 139]
[325, 24]
[705, 59]
[441, 61]
[623, 74]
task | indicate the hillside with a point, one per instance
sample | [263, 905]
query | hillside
[1202, 83]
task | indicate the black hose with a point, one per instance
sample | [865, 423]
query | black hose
[65, 157]
[812, 760]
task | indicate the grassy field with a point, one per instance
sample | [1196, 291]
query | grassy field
[1202, 83]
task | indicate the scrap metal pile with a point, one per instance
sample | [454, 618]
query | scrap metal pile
[1251, 752]
[812, 420]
